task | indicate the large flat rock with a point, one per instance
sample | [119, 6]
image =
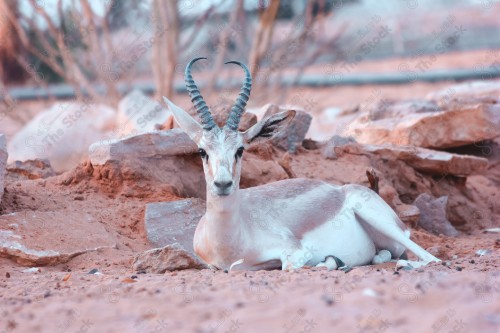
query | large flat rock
[3, 162]
[422, 159]
[425, 124]
[431, 161]
[173, 222]
[156, 143]
[50, 238]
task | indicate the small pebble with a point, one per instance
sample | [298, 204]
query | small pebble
[458, 268]
[482, 252]
[133, 277]
[472, 261]
[93, 271]
[7, 275]
[328, 300]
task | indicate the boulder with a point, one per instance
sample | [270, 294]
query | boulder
[30, 169]
[138, 113]
[172, 222]
[291, 137]
[49, 238]
[430, 161]
[157, 143]
[62, 134]
[433, 215]
[169, 258]
[163, 158]
[428, 125]
[3, 162]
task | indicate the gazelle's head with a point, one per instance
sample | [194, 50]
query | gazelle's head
[221, 149]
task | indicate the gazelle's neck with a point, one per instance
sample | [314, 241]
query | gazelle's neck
[223, 208]
[222, 224]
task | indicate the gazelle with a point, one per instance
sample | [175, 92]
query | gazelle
[286, 224]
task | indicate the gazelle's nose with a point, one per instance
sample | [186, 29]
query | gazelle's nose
[222, 185]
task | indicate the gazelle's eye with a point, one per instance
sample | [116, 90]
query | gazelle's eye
[203, 153]
[239, 152]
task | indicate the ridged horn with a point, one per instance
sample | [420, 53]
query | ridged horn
[239, 106]
[200, 106]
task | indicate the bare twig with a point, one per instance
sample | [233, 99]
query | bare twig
[263, 36]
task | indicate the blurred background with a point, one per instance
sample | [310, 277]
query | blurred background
[325, 56]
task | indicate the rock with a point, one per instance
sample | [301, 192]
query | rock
[62, 134]
[172, 222]
[49, 238]
[291, 137]
[334, 147]
[256, 171]
[30, 169]
[433, 215]
[3, 162]
[138, 113]
[397, 109]
[409, 214]
[169, 258]
[426, 160]
[157, 143]
[427, 127]
[167, 158]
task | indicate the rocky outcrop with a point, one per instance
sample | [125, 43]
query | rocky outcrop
[421, 159]
[62, 134]
[49, 238]
[430, 161]
[426, 124]
[169, 258]
[157, 143]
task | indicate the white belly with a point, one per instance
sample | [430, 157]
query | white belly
[345, 239]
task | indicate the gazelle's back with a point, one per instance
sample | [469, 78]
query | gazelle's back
[299, 204]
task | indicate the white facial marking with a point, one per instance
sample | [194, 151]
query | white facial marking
[221, 165]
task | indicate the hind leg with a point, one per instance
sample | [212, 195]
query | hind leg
[375, 213]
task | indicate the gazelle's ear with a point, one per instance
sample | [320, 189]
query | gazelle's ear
[185, 121]
[268, 127]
